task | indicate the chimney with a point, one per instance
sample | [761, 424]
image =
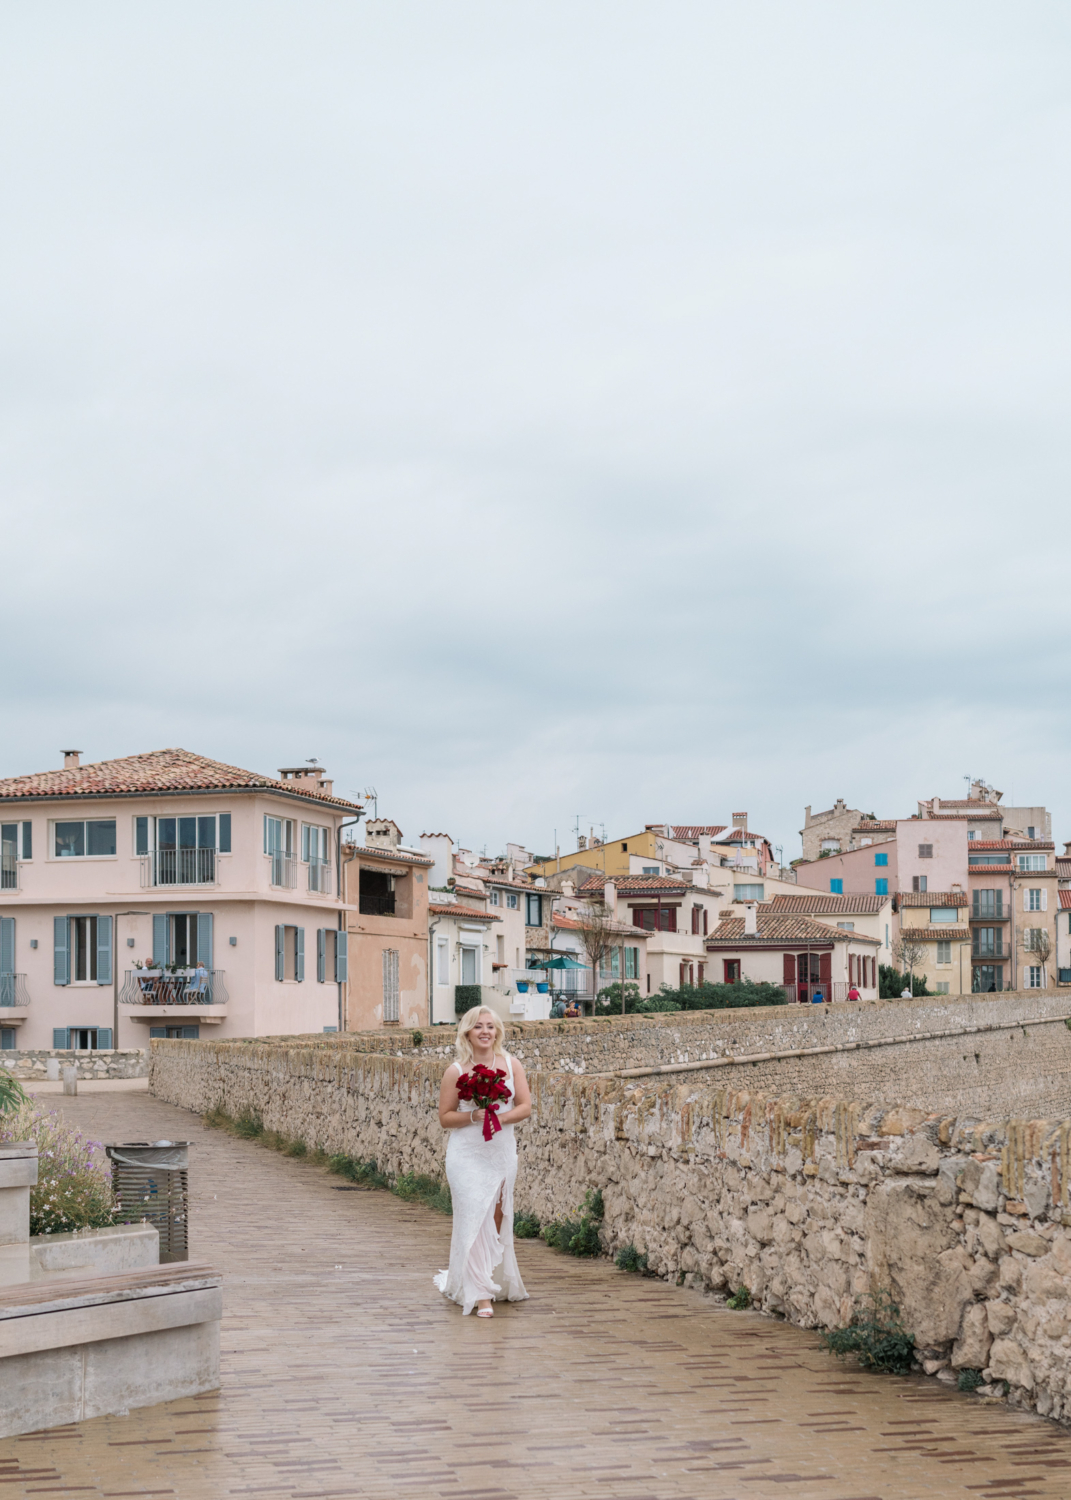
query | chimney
[71, 759]
[740, 821]
[609, 895]
[582, 842]
[751, 919]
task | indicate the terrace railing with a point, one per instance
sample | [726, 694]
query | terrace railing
[178, 987]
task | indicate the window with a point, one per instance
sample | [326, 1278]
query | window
[181, 851]
[918, 883]
[942, 914]
[391, 991]
[289, 953]
[944, 953]
[732, 970]
[655, 919]
[81, 1038]
[1034, 938]
[314, 848]
[988, 903]
[610, 963]
[1032, 900]
[1030, 833]
[376, 896]
[496, 900]
[511, 900]
[837, 887]
[942, 987]
[846, 926]
[16, 842]
[747, 892]
[925, 851]
[988, 859]
[831, 846]
[1033, 977]
[533, 914]
[881, 887]
[972, 834]
[624, 848]
[987, 977]
[470, 964]
[442, 961]
[651, 870]
[95, 839]
[699, 920]
[881, 859]
[279, 845]
[987, 942]
[632, 963]
[1031, 861]
[178, 1033]
[83, 949]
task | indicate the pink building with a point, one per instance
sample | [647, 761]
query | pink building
[871, 870]
[174, 862]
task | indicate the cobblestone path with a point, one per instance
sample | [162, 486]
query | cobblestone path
[345, 1374]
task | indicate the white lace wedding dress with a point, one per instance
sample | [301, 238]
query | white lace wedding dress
[481, 1174]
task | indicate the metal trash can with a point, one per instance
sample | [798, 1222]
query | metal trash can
[150, 1180]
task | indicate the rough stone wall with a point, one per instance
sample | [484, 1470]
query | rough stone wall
[33, 1064]
[808, 1202]
[1015, 1068]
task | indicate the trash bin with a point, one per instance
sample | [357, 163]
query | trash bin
[150, 1180]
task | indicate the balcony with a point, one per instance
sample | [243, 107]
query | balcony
[990, 914]
[319, 879]
[987, 950]
[153, 994]
[283, 871]
[13, 991]
[178, 867]
[9, 870]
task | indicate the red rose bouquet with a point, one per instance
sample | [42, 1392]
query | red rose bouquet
[486, 1088]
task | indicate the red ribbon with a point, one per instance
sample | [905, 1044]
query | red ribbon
[490, 1121]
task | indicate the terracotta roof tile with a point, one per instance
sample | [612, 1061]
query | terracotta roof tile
[937, 934]
[689, 831]
[1065, 900]
[993, 870]
[785, 905]
[157, 771]
[455, 909]
[972, 817]
[782, 929]
[934, 898]
[639, 885]
[372, 851]
[973, 844]
[868, 825]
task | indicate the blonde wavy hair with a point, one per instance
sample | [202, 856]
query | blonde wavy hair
[463, 1047]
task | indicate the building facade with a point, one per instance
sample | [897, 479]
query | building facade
[385, 886]
[122, 879]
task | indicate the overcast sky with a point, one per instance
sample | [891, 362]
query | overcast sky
[639, 411]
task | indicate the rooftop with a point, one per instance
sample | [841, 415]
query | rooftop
[934, 898]
[781, 930]
[159, 772]
[457, 909]
[860, 904]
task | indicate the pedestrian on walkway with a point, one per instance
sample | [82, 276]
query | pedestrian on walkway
[481, 1173]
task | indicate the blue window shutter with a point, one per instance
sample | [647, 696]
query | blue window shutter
[104, 951]
[342, 957]
[191, 1033]
[27, 841]
[7, 945]
[159, 938]
[881, 887]
[61, 953]
[280, 952]
[321, 954]
[104, 1038]
[299, 954]
[204, 938]
[59, 1037]
[881, 859]
[141, 835]
[7, 1039]
[836, 887]
[224, 833]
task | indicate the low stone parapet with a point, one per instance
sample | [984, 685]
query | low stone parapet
[34, 1064]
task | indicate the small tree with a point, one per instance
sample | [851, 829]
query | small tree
[909, 954]
[1037, 943]
[595, 926]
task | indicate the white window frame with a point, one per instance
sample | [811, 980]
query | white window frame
[512, 900]
[495, 898]
[314, 833]
[1032, 899]
[53, 824]
[1034, 976]
[1031, 862]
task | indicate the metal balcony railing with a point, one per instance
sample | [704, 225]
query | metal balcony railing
[283, 871]
[181, 987]
[987, 950]
[320, 876]
[13, 990]
[9, 872]
[981, 912]
[179, 867]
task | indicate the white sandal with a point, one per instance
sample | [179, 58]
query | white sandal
[485, 1312]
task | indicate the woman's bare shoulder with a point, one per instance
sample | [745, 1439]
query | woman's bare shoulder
[454, 1066]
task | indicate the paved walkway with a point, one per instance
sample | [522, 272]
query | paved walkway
[346, 1375]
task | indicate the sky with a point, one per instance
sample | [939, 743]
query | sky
[546, 411]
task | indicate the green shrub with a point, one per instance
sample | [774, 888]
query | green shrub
[707, 996]
[608, 1000]
[354, 1170]
[525, 1227]
[891, 983]
[876, 1337]
[414, 1187]
[417, 1038]
[655, 1003]
[248, 1124]
[12, 1093]
[578, 1236]
[73, 1189]
[740, 1301]
[630, 1259]
[969, 1380]
[466, 996]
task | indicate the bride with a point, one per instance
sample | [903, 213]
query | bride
[481, 1173]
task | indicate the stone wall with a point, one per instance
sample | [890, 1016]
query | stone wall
[808, 1202]
[34, 1064]
[979, 1054]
